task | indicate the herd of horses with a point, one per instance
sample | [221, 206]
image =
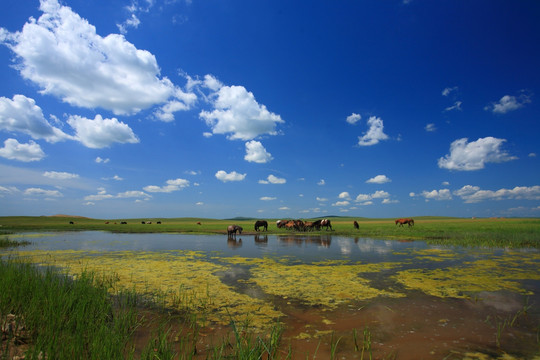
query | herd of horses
[300, 225]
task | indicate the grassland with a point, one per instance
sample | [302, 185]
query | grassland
[509, 232]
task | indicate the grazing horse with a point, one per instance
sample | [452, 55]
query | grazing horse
[261, 223]
[199, 223]
[356, 225]
[401, 222]
[280, 223]
[71, 223]
[317, 224]
[308, 226]
[327, 224]
[232, 229]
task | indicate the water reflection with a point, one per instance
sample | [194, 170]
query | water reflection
[299, 240]
[234, 243]
[261, 240]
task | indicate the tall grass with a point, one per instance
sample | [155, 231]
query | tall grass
[65, 318]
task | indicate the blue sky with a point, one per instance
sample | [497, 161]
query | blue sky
[276, 109]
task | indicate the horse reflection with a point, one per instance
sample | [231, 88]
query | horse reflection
[261, 239]
[299, 240]
[233, 243]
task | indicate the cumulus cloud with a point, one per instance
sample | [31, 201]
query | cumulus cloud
[508, 103]
[365, 199]
[473, 194]
[430, 127]
[267, 198]
[379, 179]
[375, 133]
[321, 182]
[13, 150]
[255, 152]
[63, 54]
[232, 176]
[344, 195]
[23, 115]
[100, 133]
[171, 185]
[443, 194]
[58, 175]
[341, 203]
[272, 179]
[353, 118]
[102, 195]
[42, 193]
[237, 114]
[474, 155]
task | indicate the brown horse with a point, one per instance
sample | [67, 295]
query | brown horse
[356, 226]
[326, 223]
[407, 221]
[232, 229]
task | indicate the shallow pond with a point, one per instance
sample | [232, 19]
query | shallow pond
[403, 300]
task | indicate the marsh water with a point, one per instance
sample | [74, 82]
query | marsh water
[334, 295]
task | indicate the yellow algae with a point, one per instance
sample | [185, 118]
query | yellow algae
[482, 275]
[185, 279]
[317, 285]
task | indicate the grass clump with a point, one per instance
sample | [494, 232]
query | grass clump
[57, 317]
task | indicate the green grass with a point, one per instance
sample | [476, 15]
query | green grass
[512, 232]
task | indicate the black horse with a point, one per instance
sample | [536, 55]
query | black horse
[261, 223]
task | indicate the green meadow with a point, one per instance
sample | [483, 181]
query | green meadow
[499, 232]
[82, 312]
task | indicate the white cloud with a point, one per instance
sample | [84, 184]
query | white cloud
[473, 194]
[255, 152]
[14, 150]
[321, 199]
[100, 133]
[443, 194]
[447, 91]
[23, 115]
[474, 155]
[365, 199]
[388, 201]
[267, 198]
[42, 193]
[374, 134]
[456, 106]
[341, 203]
[379, 179]
[102, 195]
[430, 128]
[172, 185]
[238, 114]
[508, 103]
[321, 182]
[344, 195]
[284, 208]
[380, 194]
[232, 176]
[100, 160]
[532, 155]
[60, 175]
[63, 54]
[272, 179]
[353, 118]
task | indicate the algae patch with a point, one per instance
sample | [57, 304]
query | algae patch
[326, 284]
[185, 280]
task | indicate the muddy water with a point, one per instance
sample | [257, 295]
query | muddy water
[351, 297]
